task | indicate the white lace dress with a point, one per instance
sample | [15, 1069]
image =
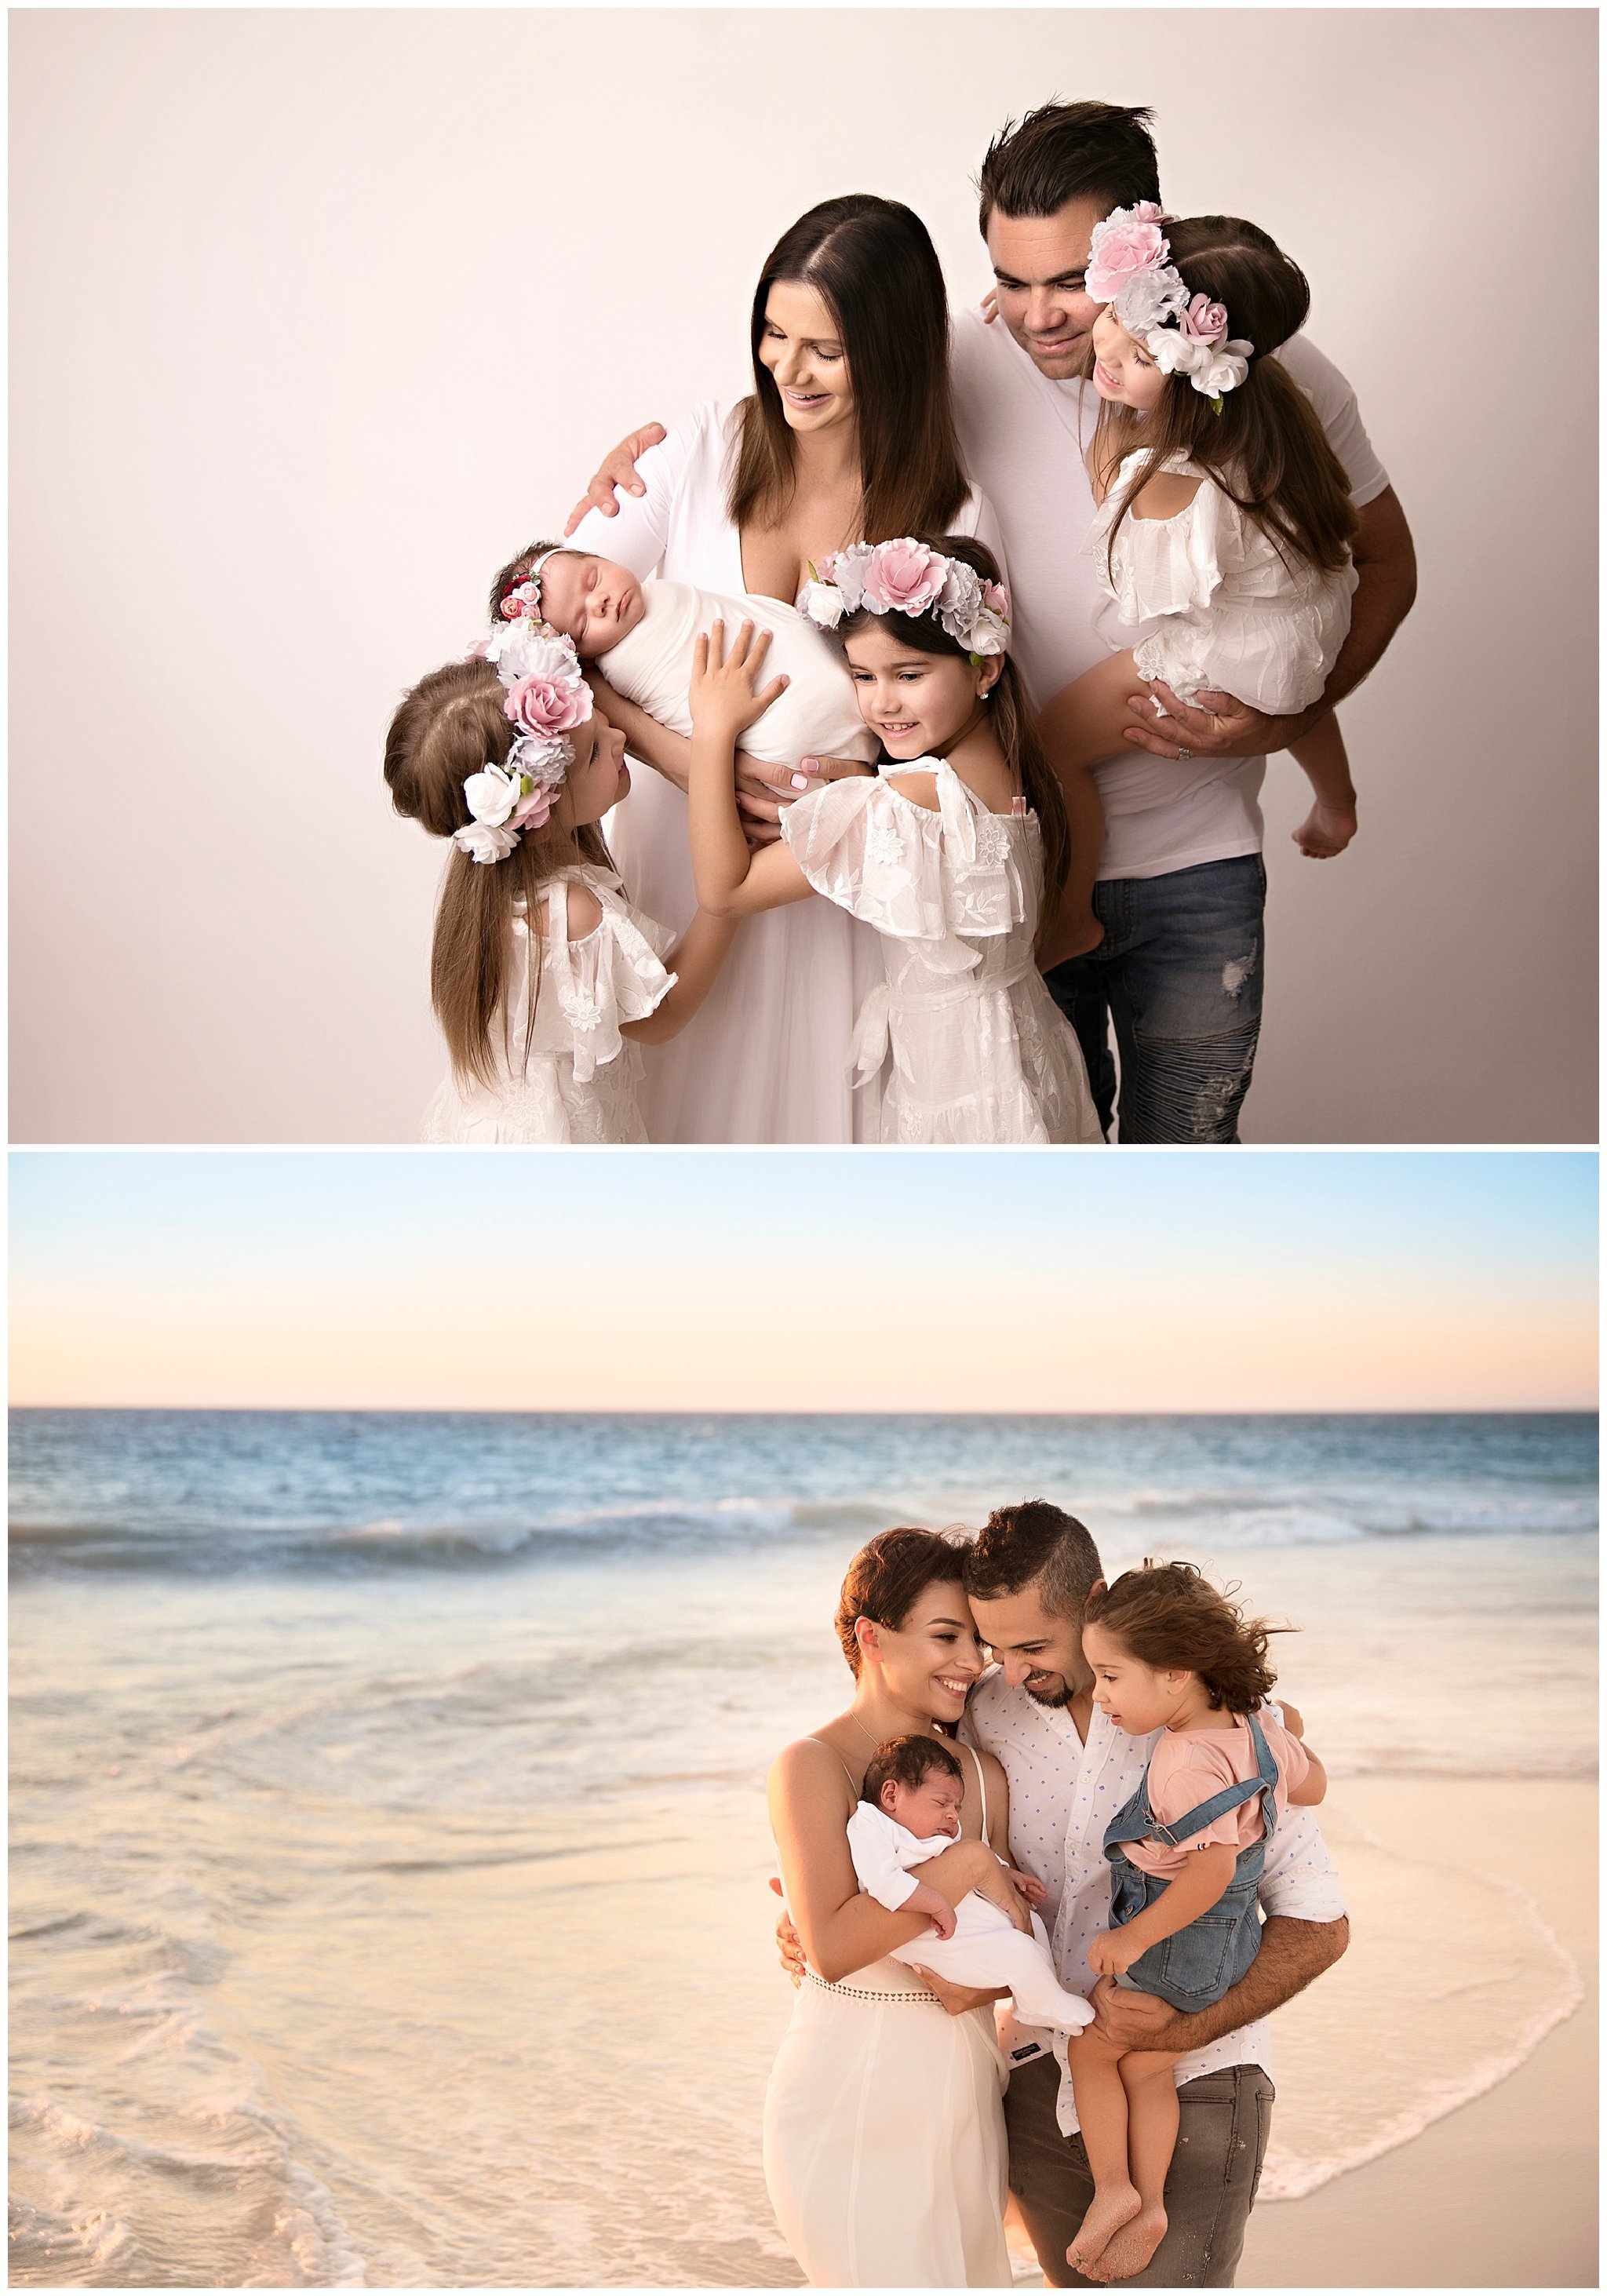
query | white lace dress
[961, 1042]
[580, 1078]
[1235, 615]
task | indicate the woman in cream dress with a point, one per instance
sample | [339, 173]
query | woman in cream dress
[884, 2124]
[848, 435]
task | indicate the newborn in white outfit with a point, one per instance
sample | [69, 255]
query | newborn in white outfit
[917, 1782]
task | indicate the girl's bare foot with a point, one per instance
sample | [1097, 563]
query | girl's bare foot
[1130, 2247]
[1112, 2208]
[1323, 832]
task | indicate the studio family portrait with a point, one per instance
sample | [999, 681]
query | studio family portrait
[663, 597]
[527, 1771]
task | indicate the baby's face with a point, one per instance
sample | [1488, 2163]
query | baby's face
[933, 1807]
[590, 600]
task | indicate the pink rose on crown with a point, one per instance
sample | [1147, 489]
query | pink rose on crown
[1204, 321]
[903, 577]
[520, 603]
[1121, 246]
[532, 809]
[548, 705]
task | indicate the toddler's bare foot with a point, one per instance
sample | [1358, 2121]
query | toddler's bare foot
[1108, 2211]
[1131, 2247]
[1323, 832]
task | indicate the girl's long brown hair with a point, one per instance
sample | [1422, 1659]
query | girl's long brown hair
[448, 727]
[1008, 707]
[1266, 448]
[872, 264]
[1169, 1615]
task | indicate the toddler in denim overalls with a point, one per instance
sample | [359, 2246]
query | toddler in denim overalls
[1170, 1653]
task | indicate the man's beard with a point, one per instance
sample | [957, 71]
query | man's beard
[1061, 1697]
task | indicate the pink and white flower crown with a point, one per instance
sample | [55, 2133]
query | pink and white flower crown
[908, 577]
[1183, 334]
[547, 697]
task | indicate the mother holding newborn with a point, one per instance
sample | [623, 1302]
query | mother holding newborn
[847, 435]
[884, 2129]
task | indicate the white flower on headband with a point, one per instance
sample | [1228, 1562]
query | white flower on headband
[906, 577]
[546, 698]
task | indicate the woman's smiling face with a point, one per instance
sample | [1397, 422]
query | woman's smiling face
[931, 1658]
[801, 344]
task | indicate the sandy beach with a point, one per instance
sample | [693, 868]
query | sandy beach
[1501, 2193]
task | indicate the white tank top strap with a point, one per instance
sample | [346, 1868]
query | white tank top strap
[847, 1773]
[981, 1785]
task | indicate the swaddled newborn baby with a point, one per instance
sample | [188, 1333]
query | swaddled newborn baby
[641, 635]
[909, 1811]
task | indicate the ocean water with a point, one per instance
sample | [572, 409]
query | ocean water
[389, 1887]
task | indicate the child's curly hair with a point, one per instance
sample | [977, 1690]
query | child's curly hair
[1169, 1615]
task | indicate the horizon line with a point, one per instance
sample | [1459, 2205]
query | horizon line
[858, 1411]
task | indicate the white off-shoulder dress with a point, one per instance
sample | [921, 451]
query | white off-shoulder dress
[1236, 614]
[766, 1057]
[960, 1041]
[581, 1078]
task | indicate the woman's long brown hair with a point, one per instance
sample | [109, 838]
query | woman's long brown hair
[1014, 726]
[448, 727]
[872, 264]
[1266, 449]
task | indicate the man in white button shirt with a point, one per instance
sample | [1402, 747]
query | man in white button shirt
[1071, 1770]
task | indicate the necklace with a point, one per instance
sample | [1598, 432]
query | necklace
[872, 1742]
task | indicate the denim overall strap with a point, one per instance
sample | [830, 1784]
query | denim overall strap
[1125, 1827]
[1268, 1771]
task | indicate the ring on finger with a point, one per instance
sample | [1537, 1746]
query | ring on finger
[1185, 753]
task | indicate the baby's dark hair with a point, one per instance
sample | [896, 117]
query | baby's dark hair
[1008, 707]
[517, 571]
[906, 1762]
[1169, 1615]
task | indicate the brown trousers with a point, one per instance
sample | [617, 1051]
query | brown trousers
[1210, 2186]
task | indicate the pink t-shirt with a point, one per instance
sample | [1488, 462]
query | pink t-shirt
[1188, 1766]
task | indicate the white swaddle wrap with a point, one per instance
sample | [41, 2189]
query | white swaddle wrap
[817, 715]
[986, 1950]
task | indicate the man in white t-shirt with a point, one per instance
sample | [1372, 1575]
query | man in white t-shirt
[1070, 1772]
[1181, 890]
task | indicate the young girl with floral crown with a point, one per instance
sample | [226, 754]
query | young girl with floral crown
[1224, 519]
[1170, 1653]
[544, 977]
[947, 854]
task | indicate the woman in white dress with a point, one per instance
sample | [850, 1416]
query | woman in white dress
[884, 2125]
[847, 435]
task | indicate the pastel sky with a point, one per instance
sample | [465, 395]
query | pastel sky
[790, 1280]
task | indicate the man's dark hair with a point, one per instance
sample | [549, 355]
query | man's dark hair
[1070, 152]
[908, 1762]
[1033, 1544]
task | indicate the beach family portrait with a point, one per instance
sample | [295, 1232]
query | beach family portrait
[1006, 619]
[529, 1771]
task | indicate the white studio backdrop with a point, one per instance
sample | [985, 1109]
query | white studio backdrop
[316, 316]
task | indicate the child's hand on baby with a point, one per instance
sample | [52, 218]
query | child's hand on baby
[999, 1889]
[723, 696]
[1110, 1955]
[1033, 1892]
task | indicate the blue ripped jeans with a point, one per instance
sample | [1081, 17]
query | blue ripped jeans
[1178, 976]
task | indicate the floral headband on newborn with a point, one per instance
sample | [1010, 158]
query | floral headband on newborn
[1183, 334]
[547, 697]
[907, 578]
